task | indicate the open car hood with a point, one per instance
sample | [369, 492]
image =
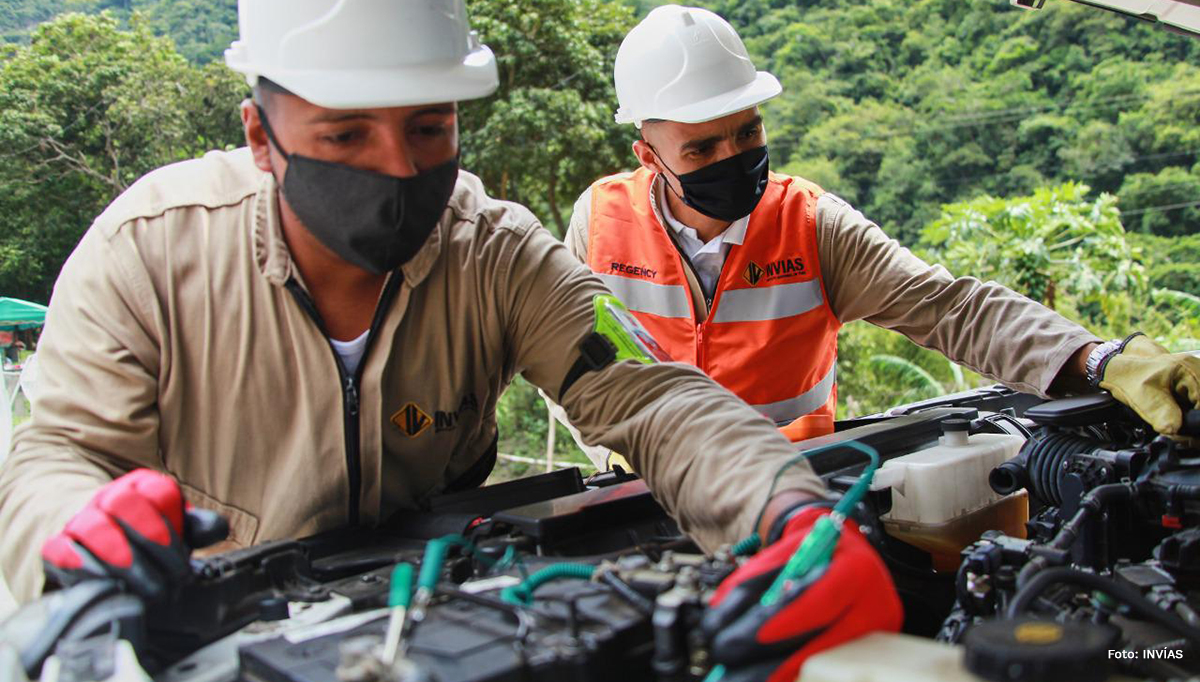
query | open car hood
[1180, 16]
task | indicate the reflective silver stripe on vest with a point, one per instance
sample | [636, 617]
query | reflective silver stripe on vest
[785, 411]
[768, 303]
[641, 296]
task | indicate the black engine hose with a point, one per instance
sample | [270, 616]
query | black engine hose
[1092, 503]
[1049, 478]
[1185, 492]
[1125, 594]
[1039, 467]
[631, 595]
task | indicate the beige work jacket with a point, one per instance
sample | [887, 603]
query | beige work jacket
[177, 340]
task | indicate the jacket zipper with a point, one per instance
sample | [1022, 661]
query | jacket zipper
[708, 300]
[717, 285]
[709, 303]
[350, 382]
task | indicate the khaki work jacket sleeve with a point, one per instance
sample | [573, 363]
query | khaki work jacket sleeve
[708, 457]
[982, 325]
[576, 242]
[576, 237]
[95, 415]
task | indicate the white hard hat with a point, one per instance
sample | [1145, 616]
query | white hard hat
[346, 54]
[686, 64]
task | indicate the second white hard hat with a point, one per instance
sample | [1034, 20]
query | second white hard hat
[345, 54]
[686, 64]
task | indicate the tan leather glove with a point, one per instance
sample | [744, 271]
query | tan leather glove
[1157, 384]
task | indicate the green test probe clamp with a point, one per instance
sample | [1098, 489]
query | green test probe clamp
[399, 598]
[816, 550]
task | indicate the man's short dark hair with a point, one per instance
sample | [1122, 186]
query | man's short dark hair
[265, 90]
[649, 121]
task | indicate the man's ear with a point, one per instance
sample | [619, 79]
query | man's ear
[256, 136]
[646, 156]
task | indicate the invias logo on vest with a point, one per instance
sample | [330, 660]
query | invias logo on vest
[753, 273]
[780, 269]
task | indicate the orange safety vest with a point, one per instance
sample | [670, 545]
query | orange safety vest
[770, 336]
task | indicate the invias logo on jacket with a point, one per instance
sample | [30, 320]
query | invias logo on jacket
[412, 420]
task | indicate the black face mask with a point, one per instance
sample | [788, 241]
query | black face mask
[373, 220]
[728, 189]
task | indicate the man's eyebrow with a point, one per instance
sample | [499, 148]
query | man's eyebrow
[343, 116]
[752, 124]
[340, 116]
[709, 141]
[701, 143]
[440, 109]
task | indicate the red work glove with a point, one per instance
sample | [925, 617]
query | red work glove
[136, 529]
[850, 597]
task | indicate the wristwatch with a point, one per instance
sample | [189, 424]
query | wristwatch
[1098, 359]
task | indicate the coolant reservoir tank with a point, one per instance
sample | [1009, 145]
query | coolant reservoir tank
[893, 657]
[941, 500]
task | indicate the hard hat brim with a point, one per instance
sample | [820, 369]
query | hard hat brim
[472, 78]
[762, 88]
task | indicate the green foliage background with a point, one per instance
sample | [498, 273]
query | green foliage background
[1060, 247]
[900, 106]
[87, 108]
[1055, 151]
[200, 29]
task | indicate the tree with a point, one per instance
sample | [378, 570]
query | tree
[1054, 243]
[523, 423]
[201, 29]
[1098, 156]
[16, 16]
[879, 369]
[1166, 203]
[914, 105]
[910, 377]
[1169, 121]
[906, 105]
[549, 131]
[85, 109]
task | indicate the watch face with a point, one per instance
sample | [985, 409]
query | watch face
[1097, 357]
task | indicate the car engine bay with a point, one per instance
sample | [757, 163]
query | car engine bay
[1037, 537]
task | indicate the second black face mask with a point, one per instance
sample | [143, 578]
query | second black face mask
[728, 189]
[373, 220]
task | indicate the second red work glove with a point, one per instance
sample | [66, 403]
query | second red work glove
[850, 597]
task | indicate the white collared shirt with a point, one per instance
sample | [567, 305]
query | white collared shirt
[707, 258]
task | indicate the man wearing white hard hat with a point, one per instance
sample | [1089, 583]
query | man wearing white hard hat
[749, 274]
[313, 331]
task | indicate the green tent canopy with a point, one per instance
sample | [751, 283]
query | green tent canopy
[17, 314]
